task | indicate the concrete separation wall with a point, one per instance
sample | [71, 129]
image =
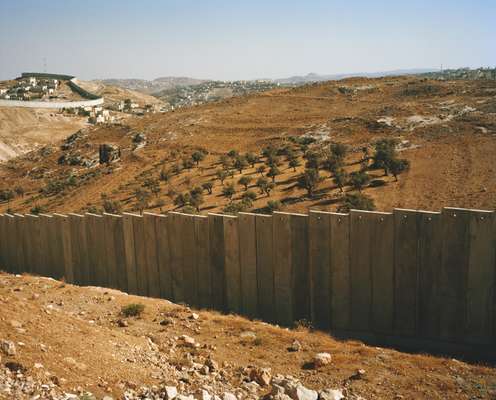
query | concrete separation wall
[423, 280]
[93, 99]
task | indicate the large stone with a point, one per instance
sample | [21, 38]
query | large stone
[188, 341]
[331, 394]
[321, 359]
[229, 396]
[170, 392]
[8, 347]
[261, 375]
[109, 153]
[203, 395]
[303, 393]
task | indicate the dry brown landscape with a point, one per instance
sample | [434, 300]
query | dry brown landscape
[76, 340]
[445, 129]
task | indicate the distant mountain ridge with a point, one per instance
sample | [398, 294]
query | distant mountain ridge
[313, 77]
[172, 82]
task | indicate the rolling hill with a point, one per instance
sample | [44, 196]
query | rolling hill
[446, 129]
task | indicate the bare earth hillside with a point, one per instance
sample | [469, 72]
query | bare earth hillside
[58, 340]
[24, 129]
[446, 129]
[113, 94]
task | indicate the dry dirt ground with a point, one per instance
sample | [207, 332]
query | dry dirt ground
[448, 131]
[75, 340]
[113, 94]
[24, 129]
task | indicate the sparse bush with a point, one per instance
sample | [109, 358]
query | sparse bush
[225, 161]
[188, 164]
[398, 166]
[359, 179]
[19, 190]
[269, 151]
[132, 310]
[273, 172]
[112, 206]
[37, 209]
[143, 198]
[293, 163]
[313, 160]
[7, 195]
[332, 163]
[153, 185]
[229, 191]
[236, 207]
[164, 175]
[233, 153]
[357, 201]
[265, 186]
[385, 152]
[240, 163]
[245, 181]
[208, 187]
[273, 205]
[261, 169]
[196, 199]
[340, 177]
[221, 175]
[251, 158]
[309, 180]
[182, 199]
[198, 156]
[339, 150]
[249, 194]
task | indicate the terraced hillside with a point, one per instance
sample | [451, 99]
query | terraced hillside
[445, 129]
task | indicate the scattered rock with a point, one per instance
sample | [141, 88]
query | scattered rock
[170, 392]
[211, 364]
[331, 394]
[359, 374]
[188, 341]
[167, 321]
[109, 153]
[228, 396]
[203, 395]
[139, 140]
[8, 347]
[321, 359]
[261, 375]
[248, 335]
[194, 316]
[122, 323]
[303, 393]
[295, 346]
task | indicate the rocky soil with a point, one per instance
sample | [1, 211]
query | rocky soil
[59, 341]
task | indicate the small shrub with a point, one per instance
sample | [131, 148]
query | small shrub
[357, 201]
[37, 209]
[132, 310]
[273, 205]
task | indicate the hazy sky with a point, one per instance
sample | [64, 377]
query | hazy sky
[229, 39]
